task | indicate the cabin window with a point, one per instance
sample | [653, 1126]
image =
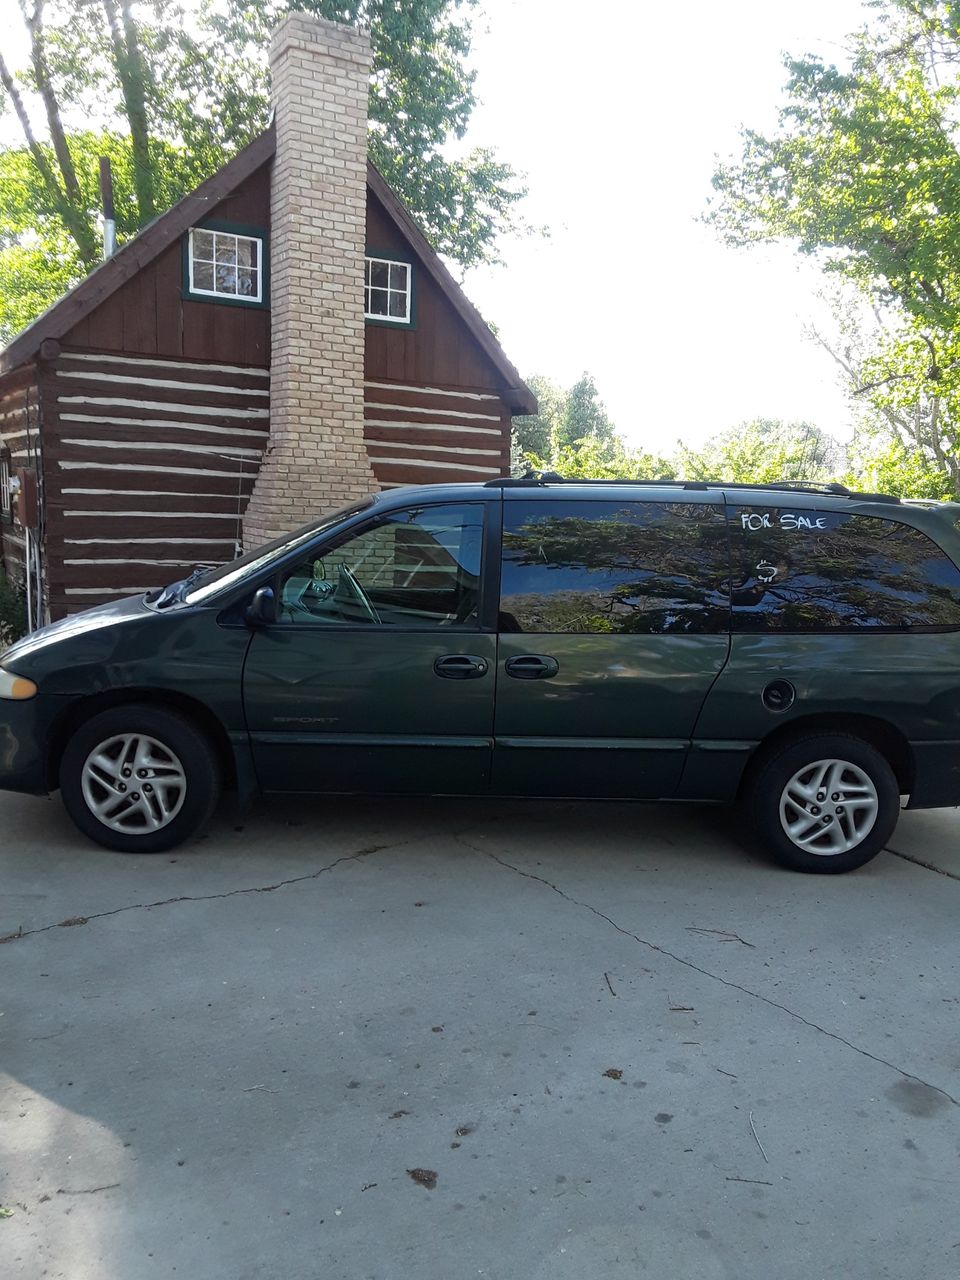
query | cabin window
[226, 264]
[388, 290]
[6, 505]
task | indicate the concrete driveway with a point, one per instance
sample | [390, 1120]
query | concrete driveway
[352, 1039]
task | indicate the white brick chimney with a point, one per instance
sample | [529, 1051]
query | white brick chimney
[316, 460]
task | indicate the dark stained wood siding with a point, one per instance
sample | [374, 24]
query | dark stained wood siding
[149, 466]
[425, 435]
[434, 406]
[156, 417]
[440, 350]
[147, 315]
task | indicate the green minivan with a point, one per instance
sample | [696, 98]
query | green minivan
[793, 648]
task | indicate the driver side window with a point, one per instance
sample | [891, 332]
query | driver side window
[414, 568]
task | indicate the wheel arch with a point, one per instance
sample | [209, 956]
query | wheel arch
[890, 741]
[192, 709]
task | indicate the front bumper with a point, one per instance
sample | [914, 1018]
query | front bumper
[23, 736]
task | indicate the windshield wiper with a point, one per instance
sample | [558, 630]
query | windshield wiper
[176, 591]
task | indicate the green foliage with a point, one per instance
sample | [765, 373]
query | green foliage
[584, 416]
[573, 434]
[421, 99]
[593, 459]
[534, 433]
[763, 452]
[13, 612]
[881, 465]
[180, 87]
[863, 172]
[39, 260]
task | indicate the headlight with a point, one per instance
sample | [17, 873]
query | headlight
[14, 687]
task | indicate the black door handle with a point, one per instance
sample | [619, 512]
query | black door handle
[460, 666]
[531, 666]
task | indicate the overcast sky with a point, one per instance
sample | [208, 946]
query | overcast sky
[616, 122]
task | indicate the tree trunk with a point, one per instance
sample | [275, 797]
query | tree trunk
[132, 73]
[73, 215]
[38, 58]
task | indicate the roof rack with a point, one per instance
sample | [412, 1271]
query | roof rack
[827, 488]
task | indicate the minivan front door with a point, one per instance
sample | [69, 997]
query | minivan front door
[614, 617]
[376, 675]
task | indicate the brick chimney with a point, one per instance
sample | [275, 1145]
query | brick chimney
[316, 459]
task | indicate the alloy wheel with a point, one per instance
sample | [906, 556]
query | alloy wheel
[133, 784]
[829, 807]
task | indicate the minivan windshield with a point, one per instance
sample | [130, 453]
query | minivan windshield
[229, 574]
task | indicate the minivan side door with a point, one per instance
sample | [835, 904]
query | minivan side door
[614, 616]
[378, 674]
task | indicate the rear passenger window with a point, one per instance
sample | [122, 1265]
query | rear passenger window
[616, 567]
[827, 571]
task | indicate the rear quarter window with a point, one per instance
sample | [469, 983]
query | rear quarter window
[828, 571]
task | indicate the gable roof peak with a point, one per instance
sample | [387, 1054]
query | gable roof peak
[147, 244]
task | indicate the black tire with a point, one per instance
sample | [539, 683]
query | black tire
[184, 743]
[765, 788]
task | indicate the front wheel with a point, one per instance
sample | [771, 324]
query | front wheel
[139, 779]
[824, 803]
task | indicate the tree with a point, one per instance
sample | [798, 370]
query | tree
[189, 78]
[863, 173]
[763, 452]
[573, 434]
[421, 100]
[906, 429]
[593, 459]
[39, 259]
[881, 465]
[584, 416]
[534, 433]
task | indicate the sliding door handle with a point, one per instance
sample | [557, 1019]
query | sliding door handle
[531, 666]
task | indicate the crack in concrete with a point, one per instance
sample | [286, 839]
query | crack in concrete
[919, 862]
[202, 897]
[690, 964]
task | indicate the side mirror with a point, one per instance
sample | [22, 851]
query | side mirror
[263, 608]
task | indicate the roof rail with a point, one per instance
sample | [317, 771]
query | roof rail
[827, 488]
[534, 478]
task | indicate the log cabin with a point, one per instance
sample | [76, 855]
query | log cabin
[279, 342]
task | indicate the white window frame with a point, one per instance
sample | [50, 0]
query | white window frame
[6, 498]
[236, 237]
[369, 261]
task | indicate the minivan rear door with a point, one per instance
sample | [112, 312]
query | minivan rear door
[613, 625]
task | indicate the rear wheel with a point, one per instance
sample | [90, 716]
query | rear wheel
[139, 779]
[824, 803]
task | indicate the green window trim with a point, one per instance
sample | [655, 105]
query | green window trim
[190, 292]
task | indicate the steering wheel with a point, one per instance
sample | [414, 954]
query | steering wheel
[353, 586]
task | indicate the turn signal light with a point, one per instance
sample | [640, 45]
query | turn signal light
[16, 688]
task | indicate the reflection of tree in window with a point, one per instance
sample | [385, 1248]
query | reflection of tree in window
[614, 567]
[419, 567]
[858, 571]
